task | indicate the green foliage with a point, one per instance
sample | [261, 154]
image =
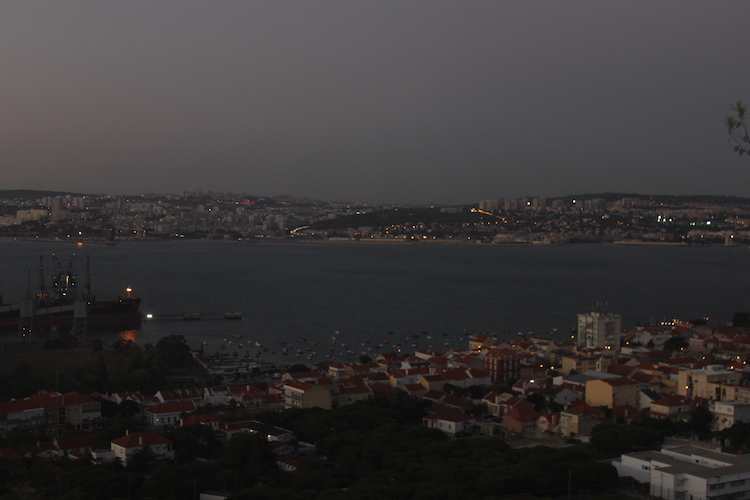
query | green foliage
[122, 345]
[63, 342]
[298, 368]
[97, 345]
[174, 351]
[193, 441]
[613, 438]
[142, 461]
[700, 422]
[675, 343]
[737, 436]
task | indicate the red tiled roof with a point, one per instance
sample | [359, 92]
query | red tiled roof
[18, 405]
[81, 441]
[172, 407]
[143, 438]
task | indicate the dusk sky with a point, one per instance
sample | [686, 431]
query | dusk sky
[421, 101]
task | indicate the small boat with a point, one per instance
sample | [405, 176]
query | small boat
[191, 316]
[234, 315]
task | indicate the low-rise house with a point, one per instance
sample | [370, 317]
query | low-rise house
[451, 421]
[406, 376]
[647, 396]
[728, 413]
[42, 450]
[670, 407]
[21, 414]
[579, 363]
[53, 411]
[120, 397]
[611, 392]
[628, 414]
[75, 447]
[349, 394]
[501, 403]
[337, 371]
[432, 382]
[124, 447]
[306, 395]
[416, 390]
[181, 394]
[520, 420]
[577, 422]
[207, 419]
[167, 415]
[559, 394]
[465, 377]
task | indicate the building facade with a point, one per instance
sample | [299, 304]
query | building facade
[599, 330]
[687, 472]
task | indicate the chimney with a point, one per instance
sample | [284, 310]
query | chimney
[140, 440]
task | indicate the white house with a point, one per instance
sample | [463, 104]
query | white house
[728, 413]
[124, 447]
[451, 421]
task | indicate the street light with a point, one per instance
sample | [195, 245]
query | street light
[128, 289]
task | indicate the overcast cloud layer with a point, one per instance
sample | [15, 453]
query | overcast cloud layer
[415, 101]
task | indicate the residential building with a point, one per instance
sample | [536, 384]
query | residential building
[706, 382]
[450, 420]
[611, 392]
[124, 447]
[167, 415]
[577, 422]
[306, 395]
[503, 365]
[669, 407]
[599, 329]
[728, 413]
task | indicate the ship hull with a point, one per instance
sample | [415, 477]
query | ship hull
[121, 313]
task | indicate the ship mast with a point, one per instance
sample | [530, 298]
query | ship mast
[26, 314]
[42, 296]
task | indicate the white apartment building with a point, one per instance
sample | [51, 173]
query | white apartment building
[688, 473]
[728, 413]
[599, 330]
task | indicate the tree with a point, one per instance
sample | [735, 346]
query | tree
[143, 460]
[700, 422]
[737, 129]
[675, 343]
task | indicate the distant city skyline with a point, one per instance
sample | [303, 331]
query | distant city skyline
[425, 102]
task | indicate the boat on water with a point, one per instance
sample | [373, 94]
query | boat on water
[59, 302]
[232, 315]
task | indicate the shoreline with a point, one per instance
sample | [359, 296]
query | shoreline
[368, 241]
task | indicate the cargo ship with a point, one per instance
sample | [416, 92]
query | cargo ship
[61, 304]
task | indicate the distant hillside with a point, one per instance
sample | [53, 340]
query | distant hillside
[31, 194]
[660, 198]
